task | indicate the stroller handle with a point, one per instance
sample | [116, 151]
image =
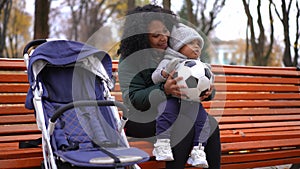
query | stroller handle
[33, 43]
[82, 103]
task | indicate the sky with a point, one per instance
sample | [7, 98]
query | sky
[228, 28]
[232, 19]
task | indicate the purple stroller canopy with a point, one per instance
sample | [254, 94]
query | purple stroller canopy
[60, 53]
[63, 72]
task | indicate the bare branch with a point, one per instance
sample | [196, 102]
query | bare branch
[277, 13]
[289, 6]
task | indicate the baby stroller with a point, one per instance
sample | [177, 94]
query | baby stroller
[70, 93]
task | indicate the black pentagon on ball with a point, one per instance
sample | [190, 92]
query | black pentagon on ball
[175, 75]
[191, 82]
[203, 92]
[207, 73]
[190, 63]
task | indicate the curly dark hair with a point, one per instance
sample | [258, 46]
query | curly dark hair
[135, 35]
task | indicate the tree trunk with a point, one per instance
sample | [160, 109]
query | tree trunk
[167, 4]
[190, 13]
[296, 43]
[247, 45]
[5, 8]
[41, 17]
[261, 50]
[287, 59]
[130, 4]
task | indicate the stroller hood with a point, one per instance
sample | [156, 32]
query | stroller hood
[63, 52]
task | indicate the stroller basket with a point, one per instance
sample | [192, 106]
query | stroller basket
[70, 94]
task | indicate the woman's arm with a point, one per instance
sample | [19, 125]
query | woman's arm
[137, 86]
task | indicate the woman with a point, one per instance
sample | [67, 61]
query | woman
[145, 37]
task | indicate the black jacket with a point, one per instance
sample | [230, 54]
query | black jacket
[139, 93]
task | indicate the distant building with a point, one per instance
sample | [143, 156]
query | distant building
[228, 52]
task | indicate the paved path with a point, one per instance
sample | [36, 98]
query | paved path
[276, 167]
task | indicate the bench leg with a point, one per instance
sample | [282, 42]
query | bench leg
[295, 166]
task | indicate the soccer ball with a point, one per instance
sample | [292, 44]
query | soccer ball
[196, 76]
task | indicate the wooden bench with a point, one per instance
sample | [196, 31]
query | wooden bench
[258, 109]
[16, 122]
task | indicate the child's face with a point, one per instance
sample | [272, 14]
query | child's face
[191, 50]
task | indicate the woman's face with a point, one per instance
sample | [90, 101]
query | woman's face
[158, 35]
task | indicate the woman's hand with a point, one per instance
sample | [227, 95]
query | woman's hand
[171, 87]
[208, 93]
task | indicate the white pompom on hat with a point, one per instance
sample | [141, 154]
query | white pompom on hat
[182, 34]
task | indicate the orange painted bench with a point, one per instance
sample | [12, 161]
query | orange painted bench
[16, 122]
[258, 109]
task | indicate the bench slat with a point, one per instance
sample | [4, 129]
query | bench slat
[264, 163]
[251, 104]
[256, 88]
[244, 80]
[21, 153]
[261, 130]
[15, 119]
[257, 119]
[259, 159]
[14, 138]
[262, 144]
[13, 78]
[233, 70]
[18, 129]
[262, 111]
[12, 64]
[257, 80]
[14, 109]
[259, 156]
[14, 88]
[12, 99]
[242, 135]
[259, 125]
[257, 96]
[21, 162]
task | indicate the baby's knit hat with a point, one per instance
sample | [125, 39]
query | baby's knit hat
[182, 34]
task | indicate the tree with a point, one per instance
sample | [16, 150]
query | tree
[167, 4]
[202, 22]
[89, 16]
[284, 18]
[204, 15]
[41, 17]
[259, 45]
[130, 4]
[190, 13]
[296, 43]
[5, 9]
[18, 29]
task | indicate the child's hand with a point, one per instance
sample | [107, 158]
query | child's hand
[164, 74]
[172, 65]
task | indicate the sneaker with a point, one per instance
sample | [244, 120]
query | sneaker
[198, 157]
[162, 150]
